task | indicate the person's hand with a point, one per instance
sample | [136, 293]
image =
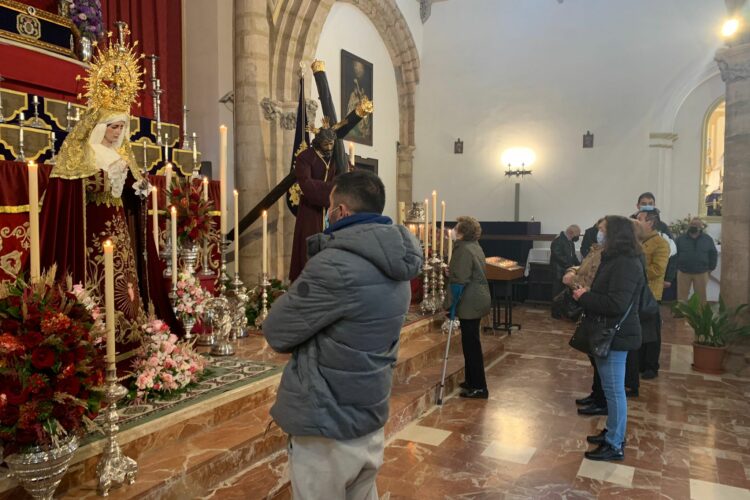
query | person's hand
[568, 278]
[578, 292]
[667, 284]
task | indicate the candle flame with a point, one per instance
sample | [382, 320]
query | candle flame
[205, 179]
[153, 188]
[236, 193]
[107, 244]
[173, 210]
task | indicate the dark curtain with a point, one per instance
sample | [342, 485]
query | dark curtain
[157, 25]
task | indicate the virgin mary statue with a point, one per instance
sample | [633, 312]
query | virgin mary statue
[92, 192]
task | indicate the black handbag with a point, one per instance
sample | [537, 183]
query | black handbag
[648, 307]
[593, 337]
[565, 305]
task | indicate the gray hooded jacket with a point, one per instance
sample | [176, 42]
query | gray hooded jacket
[341, 320]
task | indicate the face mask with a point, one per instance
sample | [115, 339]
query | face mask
[694, 230]
[326, 221]
[575, 238]
[452, 234]
[647, 208]
[601, 238]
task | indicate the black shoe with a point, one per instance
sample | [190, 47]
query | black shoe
[464, 385]
[588, 400]
[605, 451]
[475, 393]
[649, 374]
[631, 393]
[593, 409]
[599, 438]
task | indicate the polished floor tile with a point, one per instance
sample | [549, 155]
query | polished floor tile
[509, 452]
[423, 434]
[621, 475]
[681, 359]
[703, 490]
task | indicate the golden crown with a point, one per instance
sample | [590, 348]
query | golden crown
[114, 77]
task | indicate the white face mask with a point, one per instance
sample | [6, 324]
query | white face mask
[452, 234]
[601, 237]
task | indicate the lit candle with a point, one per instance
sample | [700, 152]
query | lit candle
[265, 242]
[205, 188]
[223, 178]
[109, 299]
[34, 220]
[236, 231]
[434, 222]
[426, 225]
[166, 147]
[173, 210]
[450, 245]
[442, 229]
[351, 153]
[155, 215]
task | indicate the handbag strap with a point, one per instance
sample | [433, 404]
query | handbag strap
[625, 316]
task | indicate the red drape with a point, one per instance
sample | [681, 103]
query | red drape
[158, 27]
[48, 5]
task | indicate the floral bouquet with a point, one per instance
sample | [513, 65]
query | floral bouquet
[680, 226]
[194, 218]
[87, 16]
[51, 363]
[255, 304]
[164, 365]
[191, 297]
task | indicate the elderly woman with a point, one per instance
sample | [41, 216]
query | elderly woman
[614, 297]
[467, 269]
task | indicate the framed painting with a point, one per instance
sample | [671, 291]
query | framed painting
[712, 164]
[356, 82]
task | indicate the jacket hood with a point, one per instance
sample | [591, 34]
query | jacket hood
[390, 248]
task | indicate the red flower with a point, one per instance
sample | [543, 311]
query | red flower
[9, 415]
[68, 357]
[42, 357]
[10, 344]
[32, 339]
[28, 415]
[36, 382]
[15, 393]
[69, 385]
[81, 353]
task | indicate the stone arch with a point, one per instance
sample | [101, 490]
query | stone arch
[296, 30]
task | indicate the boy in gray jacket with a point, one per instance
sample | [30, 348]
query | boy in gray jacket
[341, 320]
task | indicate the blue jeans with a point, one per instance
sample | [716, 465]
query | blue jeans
[612, 372]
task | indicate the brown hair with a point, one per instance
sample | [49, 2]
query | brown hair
[468, 227]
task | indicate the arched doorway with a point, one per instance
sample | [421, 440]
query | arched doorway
[712, 161]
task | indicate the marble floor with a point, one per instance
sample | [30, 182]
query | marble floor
[688, 434]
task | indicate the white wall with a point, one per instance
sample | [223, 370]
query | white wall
[348, 28]
[410, 10]
[540, 74]
[208, 75]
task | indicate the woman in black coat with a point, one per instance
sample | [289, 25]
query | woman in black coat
[614, 295]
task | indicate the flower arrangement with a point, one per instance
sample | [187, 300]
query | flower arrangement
[51, 363]
[255, 302]
[163, 364]
[191, 297]
[194, 219]
[87, 17]
[680, 226]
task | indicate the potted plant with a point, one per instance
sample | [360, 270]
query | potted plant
[714, 327]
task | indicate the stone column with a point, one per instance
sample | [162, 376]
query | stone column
[251, 74]
[734, 63]
[661, 145]
[404, 171]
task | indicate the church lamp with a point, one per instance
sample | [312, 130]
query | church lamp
[517, 161]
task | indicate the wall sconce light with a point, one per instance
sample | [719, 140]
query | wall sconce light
[458, 147]
[517, 161]
[588, 139]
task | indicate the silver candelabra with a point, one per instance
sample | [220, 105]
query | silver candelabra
[426, 304]
[114, 467]
[185, 136]
[264, 286]
[36, 122]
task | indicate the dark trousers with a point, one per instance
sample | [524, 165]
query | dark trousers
[473, 359]
[596, 387]
[632, 375]
[650, 351]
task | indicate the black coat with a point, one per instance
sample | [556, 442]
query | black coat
[617, 284]
[589, 238]
[563, 255]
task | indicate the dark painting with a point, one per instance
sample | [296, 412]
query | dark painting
[356, 83]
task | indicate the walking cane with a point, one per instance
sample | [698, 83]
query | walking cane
[456, 292]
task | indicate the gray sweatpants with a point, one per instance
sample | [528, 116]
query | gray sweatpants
[327, 469]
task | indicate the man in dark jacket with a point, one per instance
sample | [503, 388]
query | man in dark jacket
[696, 258]
[341, 320]
[589, 238]
[563, 256]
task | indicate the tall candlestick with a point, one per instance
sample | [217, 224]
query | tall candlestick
[109, 299]
[20, 122]
[236, 231]
[442, 229]
[195, 149]
[223, 178]
[426, 226]
[265, 242]
[434, 223]
[173, 211]
[34, 220]
[205, 188]
[155, 215]
[166, 147]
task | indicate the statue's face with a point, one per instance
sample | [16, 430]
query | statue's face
[324, 141]
[113, 132]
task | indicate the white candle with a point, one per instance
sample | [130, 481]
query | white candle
[173, 211]
[20, 122]
[155, 215]
[168, 181]
[236, 231]
[36, 100]
[434, 222]
[166, 147]
[426, 226]
[450, 245]
[351, 153]
[195, 148]
[442, 229]
[34, 220]
[223, 178]
[205, 188]
[265, 242]
[109, 299]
